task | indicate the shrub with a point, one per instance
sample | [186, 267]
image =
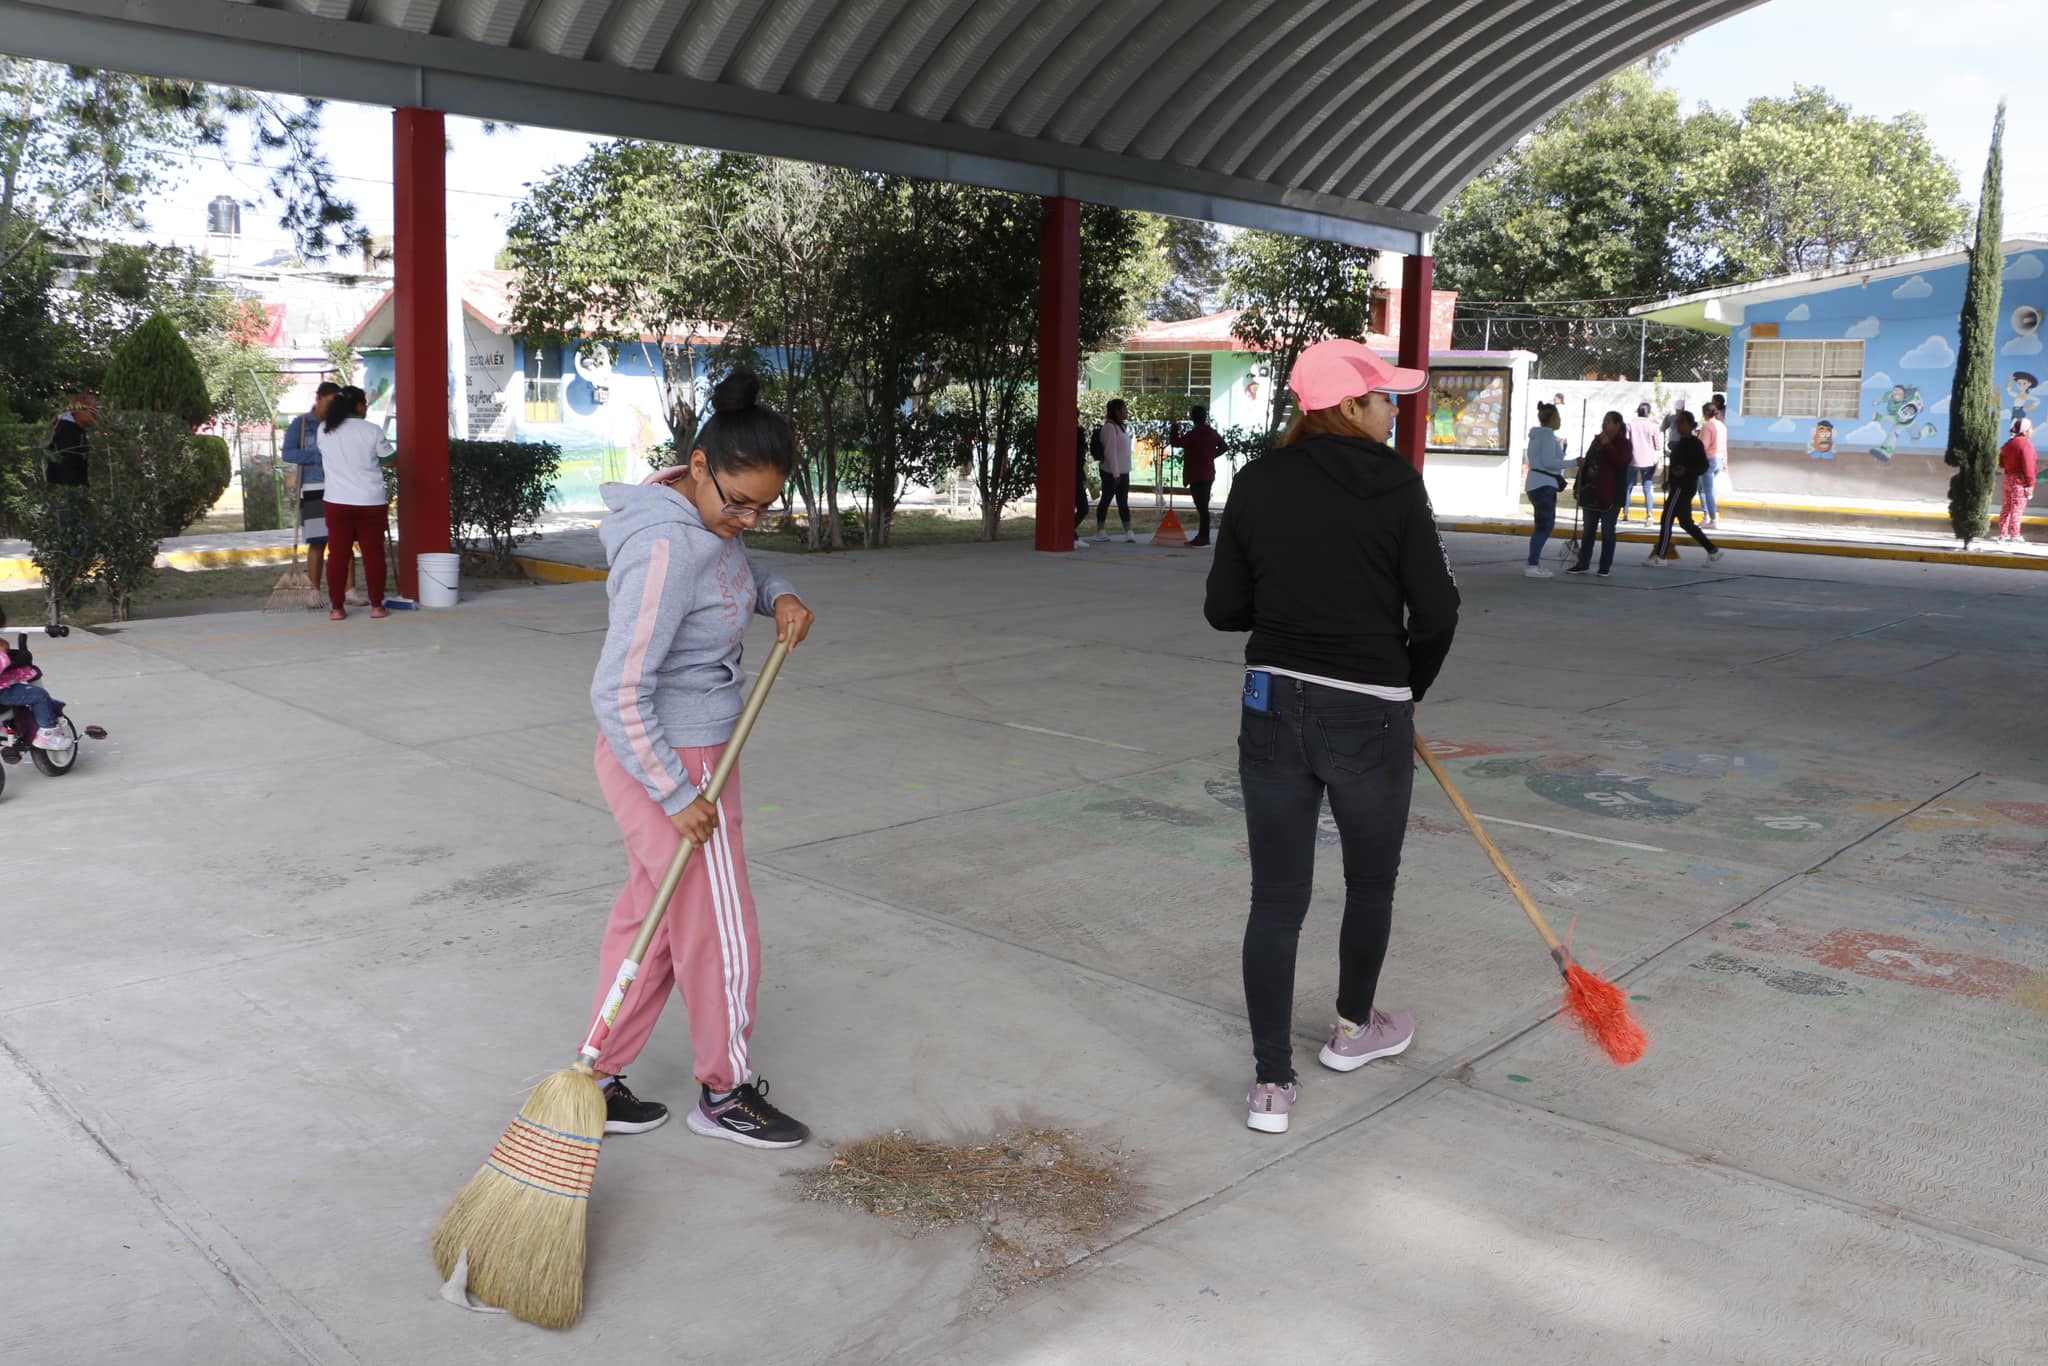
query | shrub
[21, 470]
[190, 481]
[154, 371]
[496, 487]
[135, 458]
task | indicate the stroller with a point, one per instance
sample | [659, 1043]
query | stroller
[18, 726]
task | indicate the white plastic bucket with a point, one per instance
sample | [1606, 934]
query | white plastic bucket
[440, 580]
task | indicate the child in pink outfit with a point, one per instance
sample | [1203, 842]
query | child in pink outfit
[18, 688]
[667, 692]
[2017, 461]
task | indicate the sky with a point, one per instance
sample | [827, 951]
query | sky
[1884, 57]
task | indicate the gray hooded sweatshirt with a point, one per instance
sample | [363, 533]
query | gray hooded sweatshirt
[681, 595]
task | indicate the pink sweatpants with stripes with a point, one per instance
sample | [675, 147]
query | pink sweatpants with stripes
[708, 947]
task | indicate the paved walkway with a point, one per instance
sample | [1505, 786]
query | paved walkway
[285, 952]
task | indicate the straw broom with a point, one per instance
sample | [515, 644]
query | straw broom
[522, 1217]
[292, 586]
[1595, 1005]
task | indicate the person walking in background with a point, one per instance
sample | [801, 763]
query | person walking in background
[1201, 444]
[1688, 467]
[352, 456]
[1113, 450]
[2017, 459]
[1713, 435]
[1646, 444]
[1602, 487]
[1330, 557]
[69, 447]
[1543, 477]
[302, 448]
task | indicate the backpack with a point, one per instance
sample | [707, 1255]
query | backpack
[1095, 445]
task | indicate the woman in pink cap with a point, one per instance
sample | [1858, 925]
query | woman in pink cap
[1329, 556]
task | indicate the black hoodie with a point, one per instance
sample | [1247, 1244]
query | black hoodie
[1329, 556]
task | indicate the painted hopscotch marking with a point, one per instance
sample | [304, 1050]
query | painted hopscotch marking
[1067, 735]
[1571, 834]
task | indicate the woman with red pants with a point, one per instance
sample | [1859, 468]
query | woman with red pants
[354, 453]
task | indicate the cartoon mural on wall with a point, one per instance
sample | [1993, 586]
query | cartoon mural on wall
[2020, 389]
[1821, 445]
[1898, 414]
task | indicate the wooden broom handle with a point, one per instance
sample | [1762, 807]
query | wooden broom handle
[600, 1029]
[1500, 863]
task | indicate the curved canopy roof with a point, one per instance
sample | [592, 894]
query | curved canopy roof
[1347, 119]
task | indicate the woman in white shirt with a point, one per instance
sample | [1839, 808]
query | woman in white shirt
[1113, 449]
[353, 453]
[1543, 478]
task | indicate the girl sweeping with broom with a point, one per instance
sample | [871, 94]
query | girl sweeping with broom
[668, 690]
[1329, 556]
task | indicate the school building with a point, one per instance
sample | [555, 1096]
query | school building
[1839, 379]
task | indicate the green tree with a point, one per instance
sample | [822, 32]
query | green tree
[1294, 291]
[1191, 253]
[1804, 184]
[1973, 401]
[35, 347]
[85, 150]
[154, 371]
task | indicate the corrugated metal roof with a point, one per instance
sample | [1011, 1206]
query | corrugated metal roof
[1351, 118]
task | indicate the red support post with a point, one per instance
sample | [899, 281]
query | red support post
[1418, 279]
[420, 302]
[1059, 359]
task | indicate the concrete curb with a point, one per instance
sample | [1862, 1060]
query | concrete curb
[19, 572]
[1737, 540]
[551, 571]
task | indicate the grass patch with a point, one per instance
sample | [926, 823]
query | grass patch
[1041, 1197]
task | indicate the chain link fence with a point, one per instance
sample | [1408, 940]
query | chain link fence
[1599, 348]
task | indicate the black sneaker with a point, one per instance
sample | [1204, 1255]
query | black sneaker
[626, 1113]
[1578, 569]
[746, 1117]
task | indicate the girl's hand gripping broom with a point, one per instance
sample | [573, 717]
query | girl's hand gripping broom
[1597, 1006]
[521, 1217]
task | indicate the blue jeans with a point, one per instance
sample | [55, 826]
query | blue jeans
[1707, 482]
[1359, 750]
[1601, 520]
[1544, 500]
[1646, 475]
[34, 698]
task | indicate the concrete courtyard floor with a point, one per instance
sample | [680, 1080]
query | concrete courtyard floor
[283, 954]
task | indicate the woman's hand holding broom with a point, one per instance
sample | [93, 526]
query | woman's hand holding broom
[792, 620]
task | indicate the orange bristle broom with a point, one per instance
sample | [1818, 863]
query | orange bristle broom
[1595, 1005]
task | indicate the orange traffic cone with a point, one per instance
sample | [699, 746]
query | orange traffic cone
[1170, 532]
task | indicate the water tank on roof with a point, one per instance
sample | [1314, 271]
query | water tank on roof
[224, 216]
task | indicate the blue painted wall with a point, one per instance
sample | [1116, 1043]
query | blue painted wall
[1893, 447]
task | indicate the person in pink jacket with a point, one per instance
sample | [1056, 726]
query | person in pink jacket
[2017, 460]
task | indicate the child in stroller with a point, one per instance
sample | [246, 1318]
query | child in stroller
[20, 694]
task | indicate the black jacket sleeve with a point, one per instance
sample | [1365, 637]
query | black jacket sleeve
[1429, 588]
[1228, 603]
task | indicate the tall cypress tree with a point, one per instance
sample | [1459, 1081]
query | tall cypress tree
[1973, 402]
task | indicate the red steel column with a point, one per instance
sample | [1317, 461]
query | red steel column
[420, 301]
[1418, 277]
[1059, 356]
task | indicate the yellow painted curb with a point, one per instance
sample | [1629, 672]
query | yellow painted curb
[549, 571]
[1742, 541]
[21, 572]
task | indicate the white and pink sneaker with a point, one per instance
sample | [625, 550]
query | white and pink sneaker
[49, 737]
[1270, 1105]
[1352, 1046]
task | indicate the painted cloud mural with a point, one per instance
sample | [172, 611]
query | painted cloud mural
[1933, 354]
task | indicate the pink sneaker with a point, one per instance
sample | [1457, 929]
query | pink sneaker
[1353, 1046]
[1270, 1105]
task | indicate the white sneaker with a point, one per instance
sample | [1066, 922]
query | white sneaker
[356, 597]
[1080, 544]
[1535, 571]
[50, 737]
[1129, 539]
[1655, 561]
[1714, 556]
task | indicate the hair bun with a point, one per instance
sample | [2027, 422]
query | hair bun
[736, 393]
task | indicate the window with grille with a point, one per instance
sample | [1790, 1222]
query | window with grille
[1802, 379]
[1167, 372]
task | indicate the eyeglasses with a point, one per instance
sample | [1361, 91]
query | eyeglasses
[745, 512]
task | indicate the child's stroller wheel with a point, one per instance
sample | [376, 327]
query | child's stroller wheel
[58, 762]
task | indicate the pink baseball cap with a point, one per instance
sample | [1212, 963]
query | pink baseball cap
[1331, 371]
